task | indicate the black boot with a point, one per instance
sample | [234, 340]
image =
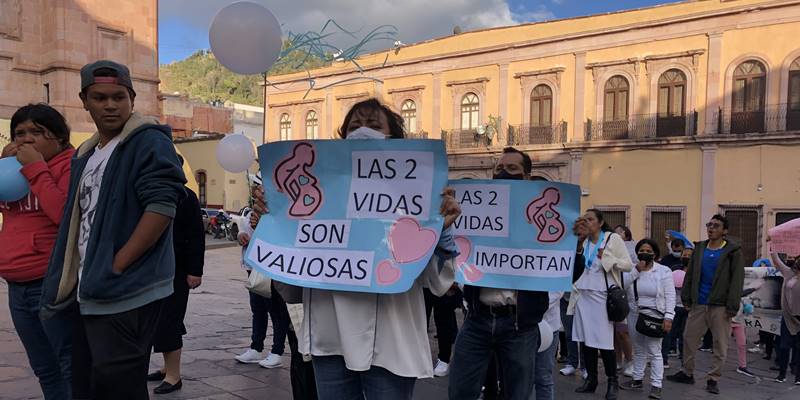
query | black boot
[613, 388]
[589, 386]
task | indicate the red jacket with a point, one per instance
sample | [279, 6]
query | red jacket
[30, 225]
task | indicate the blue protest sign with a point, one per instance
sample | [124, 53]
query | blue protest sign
[516, 234]
[352, 215]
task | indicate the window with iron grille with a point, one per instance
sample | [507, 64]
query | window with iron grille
[615, 215]
[786, 216]
[745, 228]
[201, 188]
[659, 220]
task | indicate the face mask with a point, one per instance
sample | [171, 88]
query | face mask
[503, 174]
[677, 254]
[365, 133]
[646, 257]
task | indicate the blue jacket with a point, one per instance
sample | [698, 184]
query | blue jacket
[142, 175]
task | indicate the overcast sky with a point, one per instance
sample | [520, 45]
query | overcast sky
[183, 24]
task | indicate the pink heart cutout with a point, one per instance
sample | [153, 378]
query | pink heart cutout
[387, 273]
[409, 242]
[464, 250]
[472, 273]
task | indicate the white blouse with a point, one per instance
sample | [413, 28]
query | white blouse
[384, 330]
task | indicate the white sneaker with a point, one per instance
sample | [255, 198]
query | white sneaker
[442, 368]
[249, 357]
[272, 361]
[628, 370]
[584, 374]
[568, 370]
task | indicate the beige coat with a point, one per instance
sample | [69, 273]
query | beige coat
[615, 261]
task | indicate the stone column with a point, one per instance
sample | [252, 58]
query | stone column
[329, 126]
[708, 203]
[577, 129]
[503, 106]
[575, 166]
[713, 92]
[436, 109]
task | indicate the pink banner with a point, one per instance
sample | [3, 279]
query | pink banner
[785, 238]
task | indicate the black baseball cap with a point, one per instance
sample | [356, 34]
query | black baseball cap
[123, 74]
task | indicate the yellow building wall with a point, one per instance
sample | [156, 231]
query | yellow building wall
[740, 170]
[517, 100]
[642, 178]
[490, 104]
[222, 187]
[424, 110]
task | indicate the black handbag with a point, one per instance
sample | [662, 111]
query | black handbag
[645, 324]
[617, 305]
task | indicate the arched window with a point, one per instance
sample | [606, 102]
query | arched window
[748, 98]
[541, 106]
[470, 111]
[671, 104]
[312, 125]
[286, 127]
[793, 114]
[615, 108]
[409, 113]
[201, 187]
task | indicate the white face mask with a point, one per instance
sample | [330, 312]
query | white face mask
[365, 133]
[676, 254]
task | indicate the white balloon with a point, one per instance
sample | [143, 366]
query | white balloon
[245, 37]
[545, 335]
[235, 153]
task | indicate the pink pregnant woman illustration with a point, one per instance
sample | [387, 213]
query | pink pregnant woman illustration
[293, 176]
[542, 213]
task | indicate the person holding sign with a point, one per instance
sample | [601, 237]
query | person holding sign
[606, 259]
[712, 291]
[790, 310]
[499, 321]
[365, 345]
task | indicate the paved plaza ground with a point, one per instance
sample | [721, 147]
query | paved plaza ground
[218, 322]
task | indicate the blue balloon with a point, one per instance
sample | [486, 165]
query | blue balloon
[13, 186]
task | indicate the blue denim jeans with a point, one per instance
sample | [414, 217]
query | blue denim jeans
[543, 378]
[47, 343]
[336, 382]
[483, 335]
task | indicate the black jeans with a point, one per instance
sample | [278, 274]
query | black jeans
[444, 317]
[590, 362]
[768, 340]
[674, 339]
[119, 349]
[262, 309]
[789, 344]
[301, 373]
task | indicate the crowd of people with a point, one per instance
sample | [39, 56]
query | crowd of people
[101, 255]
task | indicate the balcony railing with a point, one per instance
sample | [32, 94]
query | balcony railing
[643, 127]
[465, 139]
[772, 118]
[416, 135]
[529, 134]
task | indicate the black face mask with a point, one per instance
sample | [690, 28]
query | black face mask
[646, 257]
[503, 174]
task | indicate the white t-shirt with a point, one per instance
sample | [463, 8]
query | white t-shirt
[647, 287]
[88, 193]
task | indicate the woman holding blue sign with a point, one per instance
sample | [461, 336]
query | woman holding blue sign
[606, 259]
[368, 345]
[40, 143]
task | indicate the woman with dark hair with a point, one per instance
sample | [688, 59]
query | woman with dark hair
[366, 345]
[40, 142]
[606, 260]
[651, 286]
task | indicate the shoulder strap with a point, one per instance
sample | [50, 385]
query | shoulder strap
[635, 291]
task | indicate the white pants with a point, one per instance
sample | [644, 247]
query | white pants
[646, 349]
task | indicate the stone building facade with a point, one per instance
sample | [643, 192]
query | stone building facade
[663, 115]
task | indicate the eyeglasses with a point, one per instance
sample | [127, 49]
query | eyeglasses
[713, 225]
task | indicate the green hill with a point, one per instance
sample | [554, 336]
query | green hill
[201, 76]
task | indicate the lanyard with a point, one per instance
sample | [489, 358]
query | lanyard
[590, 259]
